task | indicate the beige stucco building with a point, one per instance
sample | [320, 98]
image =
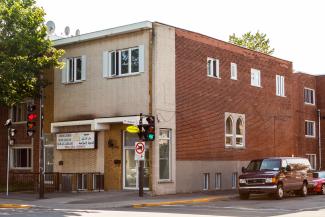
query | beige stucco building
[109, 78]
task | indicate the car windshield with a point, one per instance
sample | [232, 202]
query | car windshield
[319, 175]
[267, 164]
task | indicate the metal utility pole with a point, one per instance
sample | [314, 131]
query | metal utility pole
[10, 141]
[8, 162]
[41, 142]
[141, 162]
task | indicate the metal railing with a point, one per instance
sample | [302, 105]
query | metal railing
[55, 182]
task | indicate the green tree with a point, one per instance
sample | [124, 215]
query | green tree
[258, 42]
[25, 51]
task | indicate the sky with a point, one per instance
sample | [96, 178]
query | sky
[296, 28]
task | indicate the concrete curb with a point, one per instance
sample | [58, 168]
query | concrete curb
[189, 201]
[14, 206]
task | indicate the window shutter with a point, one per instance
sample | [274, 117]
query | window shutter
[141, 58]
[106, 65]
[83, 68]
[253, 77]
[64, 72]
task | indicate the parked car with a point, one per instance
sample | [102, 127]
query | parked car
[319, 182]
[276, 176]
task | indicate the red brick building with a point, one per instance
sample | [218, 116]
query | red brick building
[271, 111]
[217, 106]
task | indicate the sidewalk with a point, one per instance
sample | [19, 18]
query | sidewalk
[111, 199]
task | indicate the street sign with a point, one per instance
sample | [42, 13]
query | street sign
[130, 121]
[140, 151]
[132, 129]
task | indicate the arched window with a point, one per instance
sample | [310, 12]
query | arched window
[239, 131]
[229, 131]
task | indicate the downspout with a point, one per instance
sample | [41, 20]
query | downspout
[319, 141]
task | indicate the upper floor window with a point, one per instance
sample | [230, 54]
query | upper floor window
[309, 96]
[21, 158]
[74, 70]
[256, 77]
[309, 128]
[279, 83]
[234, 130]
[19, 112]
[123, 62]
[213, 67]
[233, 71]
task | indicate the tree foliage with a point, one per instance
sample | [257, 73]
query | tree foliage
[25, 50]
[258, 42]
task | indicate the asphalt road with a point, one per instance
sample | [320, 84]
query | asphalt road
[258, 206]
[313, 205]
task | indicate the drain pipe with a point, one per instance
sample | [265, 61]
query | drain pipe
[319, 141]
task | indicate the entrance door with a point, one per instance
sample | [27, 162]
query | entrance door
[130, 166]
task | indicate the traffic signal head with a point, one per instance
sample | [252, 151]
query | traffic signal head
[150, 129]
[31, 119]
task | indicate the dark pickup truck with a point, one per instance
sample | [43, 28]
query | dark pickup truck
[275, 176]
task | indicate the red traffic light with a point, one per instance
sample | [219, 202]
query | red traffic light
[31, 117]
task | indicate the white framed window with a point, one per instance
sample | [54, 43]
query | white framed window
[279, 83]
[21, 158]
[74, 70]
[234, 130]
[206, 177]
[234, 178]
[312, 160]
[19, 112]
[217, 181]
[164, 154]
[239, 131]
[233, 71]
[309, 96]
[124, 62]
[256, 77]
[213, 67]
[229, 130]
[309, 128]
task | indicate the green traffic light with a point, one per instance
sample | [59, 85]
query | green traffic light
[151, 136]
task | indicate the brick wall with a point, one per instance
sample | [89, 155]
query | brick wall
[320, 90]
[21, 139]
[304, 112]
[201, 102]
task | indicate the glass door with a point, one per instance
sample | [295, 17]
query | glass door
[130, 165]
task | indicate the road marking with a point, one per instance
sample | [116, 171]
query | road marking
[14, 206]
[177, 202]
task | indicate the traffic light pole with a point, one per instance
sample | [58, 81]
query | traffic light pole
[41, 143]
[141, 163]
[8, 162]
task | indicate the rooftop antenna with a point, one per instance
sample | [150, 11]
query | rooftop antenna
[77, 32]
[67, 30]
[50, 27]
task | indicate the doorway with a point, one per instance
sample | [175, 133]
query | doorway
[131, 166]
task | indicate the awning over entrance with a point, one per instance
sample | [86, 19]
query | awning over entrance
[97, 124]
